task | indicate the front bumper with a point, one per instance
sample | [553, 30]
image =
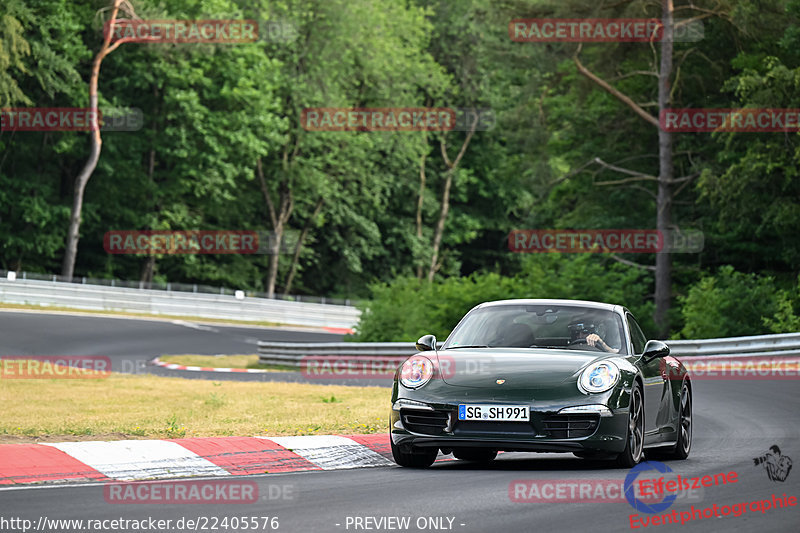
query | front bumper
[553, 429]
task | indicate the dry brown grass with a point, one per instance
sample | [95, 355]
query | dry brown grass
[143, 406]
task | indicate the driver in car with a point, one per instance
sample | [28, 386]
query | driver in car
[586, 331]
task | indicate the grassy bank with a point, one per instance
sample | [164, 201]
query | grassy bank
[134, 406]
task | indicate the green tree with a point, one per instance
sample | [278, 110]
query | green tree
[728, 304]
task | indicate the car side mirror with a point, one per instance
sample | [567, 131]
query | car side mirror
[655, 349]
[426, 343]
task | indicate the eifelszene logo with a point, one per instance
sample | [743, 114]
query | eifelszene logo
[638, 504]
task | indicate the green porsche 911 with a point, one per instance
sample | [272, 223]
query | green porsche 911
[542, 376]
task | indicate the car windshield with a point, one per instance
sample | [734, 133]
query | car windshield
[537, 326]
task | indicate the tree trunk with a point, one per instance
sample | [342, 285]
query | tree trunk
[420, 199]
[278, 218]
[451, 168]
[71, 252]
[303, 234]
[439, 231]
[272, 275]
[149, 267]
[663, 268]
[73, 232]
[664, 198]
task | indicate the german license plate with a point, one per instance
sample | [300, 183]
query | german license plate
[496, 413]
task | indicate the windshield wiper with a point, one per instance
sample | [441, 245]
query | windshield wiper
[554, 347]
[468, 346]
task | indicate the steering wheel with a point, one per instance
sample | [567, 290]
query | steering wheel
[583, 341]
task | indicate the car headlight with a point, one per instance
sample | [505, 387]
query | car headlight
[416, 372]
[599, 377]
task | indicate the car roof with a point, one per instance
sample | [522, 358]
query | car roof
[575, 303]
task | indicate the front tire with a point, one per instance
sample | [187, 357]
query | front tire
[634, 447]
[415, 458]
[475, 455]
[684, 444]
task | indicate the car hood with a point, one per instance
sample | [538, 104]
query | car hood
[519, 367]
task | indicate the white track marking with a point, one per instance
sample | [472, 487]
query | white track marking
[194, 326]
[332, 452]
[140, 459]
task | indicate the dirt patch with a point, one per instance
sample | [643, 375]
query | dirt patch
[25, 439]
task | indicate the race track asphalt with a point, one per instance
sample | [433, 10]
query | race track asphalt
[734, 420]
[131, 343]
[127, 341]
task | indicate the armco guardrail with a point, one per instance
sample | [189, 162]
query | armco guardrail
[12, 275]
[202, 305]
[290, 354]
[780, 344]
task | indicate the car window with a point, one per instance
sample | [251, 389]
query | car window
[637, 337]
[537, 326]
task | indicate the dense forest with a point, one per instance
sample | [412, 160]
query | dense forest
[416, 222]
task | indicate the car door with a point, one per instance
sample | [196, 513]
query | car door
[654, 383]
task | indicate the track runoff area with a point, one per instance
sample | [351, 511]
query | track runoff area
[739, 474]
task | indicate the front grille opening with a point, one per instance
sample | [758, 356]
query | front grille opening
[571, 426]
[427, 422]
[479, 427]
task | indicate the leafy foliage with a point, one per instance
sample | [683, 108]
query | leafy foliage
[211, 111]
[408, 308]
[731, 304]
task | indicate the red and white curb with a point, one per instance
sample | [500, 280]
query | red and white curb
[174, 366]
[129, 460]
[341, 331]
